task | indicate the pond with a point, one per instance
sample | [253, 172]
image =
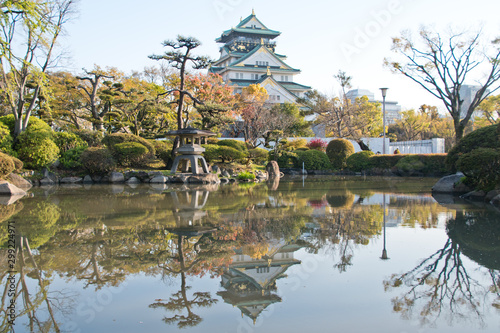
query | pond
[311, 254]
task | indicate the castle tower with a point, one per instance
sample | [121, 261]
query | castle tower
[248, 57]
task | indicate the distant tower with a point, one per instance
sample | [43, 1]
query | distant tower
[467, 94]
[248, 57]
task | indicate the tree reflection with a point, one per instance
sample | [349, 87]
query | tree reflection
[441, 284]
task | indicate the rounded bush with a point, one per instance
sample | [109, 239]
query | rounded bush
[313, 160]
[34, 124]
[360, 161]
[287, 159]
[485, 137]
[5, 139]
[93, 138]
[97, 160]
[66, 141]
[36, 149]
[113, 139]
[130, 153]
[6, 165]
[238, 145]
[229, 154]
[211, 153]
[18, 164]
[163, 150]
[410, 163]
[70, 159]
[338, 150]
[258, 155]
[295, 144]
[482, 167]
[246, 176]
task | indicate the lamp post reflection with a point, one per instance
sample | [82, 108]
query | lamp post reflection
[384, 250]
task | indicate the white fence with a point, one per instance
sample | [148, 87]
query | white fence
[433, 146]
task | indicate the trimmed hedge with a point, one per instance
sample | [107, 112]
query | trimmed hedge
[5, 139]
[115, 138]
[70, 159]
[6, 165]
[163, 150]
[130, 153]
[482, 168]
[238, 145]
[360, 161]
[93, 138]
[229, 154]
[97, 160]
[66, 141]
[485, 137]
[312, 160]
[287, 159]
[36, 149]
[338, 150]
[211, 153]
[258, 155]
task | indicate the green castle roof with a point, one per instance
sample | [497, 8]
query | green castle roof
[241, 29]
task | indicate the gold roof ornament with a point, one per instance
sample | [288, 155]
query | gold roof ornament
[268, 71]
[253, 11]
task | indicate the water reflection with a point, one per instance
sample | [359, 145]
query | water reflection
[442, 285]
[248, 238]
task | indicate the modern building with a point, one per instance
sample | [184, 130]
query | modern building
[392, 108]
[248, 57]
[467, 94]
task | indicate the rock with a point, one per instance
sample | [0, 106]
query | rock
[496, 201]
[159, 179]
[261, 176]
[216, 169]
[491, 194]
[474, 195]
[204, 178]
[97, 178]
[116, 177]
[19, 181]
[273, 170]
[225, 174]
[157, 187]
[224, 180]
[7, 200]
[87, 180]
[7, 188]
[180, 178]
[71, 180]
[447, 183]
[133, 180]
[47, 181]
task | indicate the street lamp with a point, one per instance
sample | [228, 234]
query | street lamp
[384, 93]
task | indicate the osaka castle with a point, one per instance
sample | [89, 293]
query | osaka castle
[248, 57]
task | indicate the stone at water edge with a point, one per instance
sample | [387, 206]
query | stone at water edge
[447, 183]
[19, 181]
[7, 188]
[273, 170]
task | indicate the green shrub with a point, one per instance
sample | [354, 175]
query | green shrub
[295, 144]
[385, 161]
[211, 153]
[34, 124]
[97, 160]
[338, 150]
[434, 163]
[6, 165]
[5, 139]
[238, 145]
[230, 154]
[93, 138]
[258, 155]
[485, 137]
[130, 153]
[18, 164]
[410, 164]
[36, 149]
[482, 167]
[313, 160]
[66, 141]
[287, 159]
[245, 176]
[360, 161]
[71, 158]
[163, 150]
[113, 139]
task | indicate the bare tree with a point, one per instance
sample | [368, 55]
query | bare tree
[441, 64]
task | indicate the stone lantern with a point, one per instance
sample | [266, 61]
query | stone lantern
[190, 150]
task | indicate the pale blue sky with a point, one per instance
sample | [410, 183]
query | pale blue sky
[319, 37]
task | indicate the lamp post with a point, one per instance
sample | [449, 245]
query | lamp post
[384, 93]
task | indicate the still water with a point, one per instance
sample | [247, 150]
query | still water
[320, 254]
